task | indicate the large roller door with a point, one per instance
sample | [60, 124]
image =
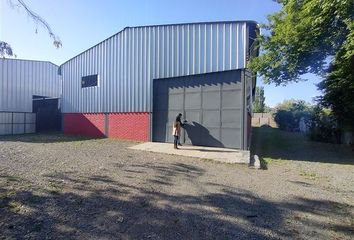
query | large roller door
[211, 104]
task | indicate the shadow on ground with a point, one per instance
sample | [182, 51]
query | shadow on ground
[97, 206]
[273, 143]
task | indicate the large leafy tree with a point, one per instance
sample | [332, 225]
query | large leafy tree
[338, 86]
[311, 36]
[5, 48]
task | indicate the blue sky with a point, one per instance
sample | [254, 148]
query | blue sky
[80, 24]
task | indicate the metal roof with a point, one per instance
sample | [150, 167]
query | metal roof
[162, 25]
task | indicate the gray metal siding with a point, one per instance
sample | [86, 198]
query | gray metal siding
[21, 79]
[129, 61]
[211, 103]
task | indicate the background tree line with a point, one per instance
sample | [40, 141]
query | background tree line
[311, 36]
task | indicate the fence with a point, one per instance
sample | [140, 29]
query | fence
[17, 123]
[261, 119]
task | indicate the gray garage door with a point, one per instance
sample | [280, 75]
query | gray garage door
[211, 104]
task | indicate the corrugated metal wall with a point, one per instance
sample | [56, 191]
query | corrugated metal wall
[128, 61]
[21, 79]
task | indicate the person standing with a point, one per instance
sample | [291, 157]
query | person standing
[178, 118]
[176, 130]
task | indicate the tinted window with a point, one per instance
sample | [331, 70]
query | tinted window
[89, 81]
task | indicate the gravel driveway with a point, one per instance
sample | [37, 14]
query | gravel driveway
[58, 187]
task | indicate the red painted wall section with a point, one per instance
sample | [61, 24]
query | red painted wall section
[131, 126]
[85, 124]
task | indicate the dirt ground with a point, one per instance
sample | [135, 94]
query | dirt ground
[57, 187]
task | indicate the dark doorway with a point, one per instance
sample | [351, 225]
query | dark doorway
[48, 114]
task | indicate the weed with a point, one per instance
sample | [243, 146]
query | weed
[308, 175]
[14, 206]
[54, 187]
[6, 195]
[12, 179]
[54, 191]
[3, 196]
[272, 161]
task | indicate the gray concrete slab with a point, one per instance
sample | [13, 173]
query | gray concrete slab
[225, 155]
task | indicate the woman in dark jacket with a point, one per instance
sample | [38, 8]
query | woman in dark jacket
[176, 131]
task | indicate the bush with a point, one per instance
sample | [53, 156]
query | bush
[289, 113]
[323, 126]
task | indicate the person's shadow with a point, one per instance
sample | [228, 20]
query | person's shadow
[199, 135]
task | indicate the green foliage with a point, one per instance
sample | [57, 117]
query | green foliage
[288, 114]
[268, 109]
[301, 38]
[338, 87]
[324, 126]
[258, 104]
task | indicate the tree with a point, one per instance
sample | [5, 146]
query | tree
[323, 126]
[288, 114]
[302, 37]
[5, 48]
[338, 86]
[258, 104]
[312, 36]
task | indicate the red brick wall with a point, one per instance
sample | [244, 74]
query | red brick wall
[85, 124]
[132, 126]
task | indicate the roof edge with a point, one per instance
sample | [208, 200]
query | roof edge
[28, 60]
[162, 25]
[209, 22]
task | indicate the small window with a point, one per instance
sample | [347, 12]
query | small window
[89, 81]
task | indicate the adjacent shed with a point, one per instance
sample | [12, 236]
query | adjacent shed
[133, 84]
[23, 85]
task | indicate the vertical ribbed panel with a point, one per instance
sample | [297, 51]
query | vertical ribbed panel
[21, 79]
[128, 62]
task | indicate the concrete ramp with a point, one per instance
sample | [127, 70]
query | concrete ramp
[225, 155]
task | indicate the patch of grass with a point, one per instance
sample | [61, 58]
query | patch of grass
[14, 206]
[308, 175]
[54, 191]
[265, 162]
[78, 143]
[48, 137]
[6, 202]
[278, 161]
[274, 144]
[12, 178]
[5, 196]
[54, 188]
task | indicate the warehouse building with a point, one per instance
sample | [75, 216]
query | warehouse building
[133, 84]
[29, 96]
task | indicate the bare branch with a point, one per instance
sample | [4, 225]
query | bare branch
[39, 21]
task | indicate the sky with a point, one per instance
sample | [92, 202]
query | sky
[81, 24]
